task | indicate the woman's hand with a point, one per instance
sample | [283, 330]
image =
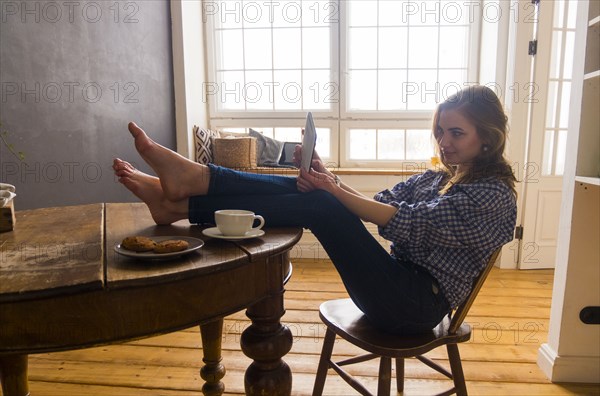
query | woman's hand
[315, 180]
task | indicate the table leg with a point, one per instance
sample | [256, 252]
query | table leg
[13, 375]
[266, 341]
[213, 371]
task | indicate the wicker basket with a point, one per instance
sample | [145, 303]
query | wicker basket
[235, 152]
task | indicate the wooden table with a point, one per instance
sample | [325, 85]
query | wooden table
[63, 287]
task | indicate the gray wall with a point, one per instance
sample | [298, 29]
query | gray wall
[72, 74]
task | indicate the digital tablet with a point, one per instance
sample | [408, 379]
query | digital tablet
[309, 140]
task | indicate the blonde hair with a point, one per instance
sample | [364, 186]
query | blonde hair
[481, 106]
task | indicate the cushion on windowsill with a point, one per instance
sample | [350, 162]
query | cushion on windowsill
[203, 142]
[268, 150]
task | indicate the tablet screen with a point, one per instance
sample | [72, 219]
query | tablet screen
[287, 154]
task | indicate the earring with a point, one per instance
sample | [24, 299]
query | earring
[485, 147]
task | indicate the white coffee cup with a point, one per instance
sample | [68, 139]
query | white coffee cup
[236, 222]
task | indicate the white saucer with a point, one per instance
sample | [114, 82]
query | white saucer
[214, 232]
[194, 244]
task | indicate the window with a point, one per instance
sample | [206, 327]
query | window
[402, 54]
[371, 71]
[559, 87]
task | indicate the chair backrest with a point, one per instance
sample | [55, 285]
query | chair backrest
[461, 312]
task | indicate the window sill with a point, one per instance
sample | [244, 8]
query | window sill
[374, 171]
[337, 171]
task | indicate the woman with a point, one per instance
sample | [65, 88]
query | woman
[443, 225]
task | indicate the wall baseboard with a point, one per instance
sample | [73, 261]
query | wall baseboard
[584, 369]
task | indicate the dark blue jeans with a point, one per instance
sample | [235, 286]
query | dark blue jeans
[396, 297]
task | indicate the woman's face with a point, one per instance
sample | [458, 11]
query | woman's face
[458, 139]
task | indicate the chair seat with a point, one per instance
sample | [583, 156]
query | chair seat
[346, 320]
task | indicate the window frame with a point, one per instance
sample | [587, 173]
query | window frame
[217, 114]
[339, 119]
[472, 76]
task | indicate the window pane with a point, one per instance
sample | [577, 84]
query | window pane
[363, 144]
[319, 12]
[390, 144]
[229, 95]
[323, 145]
[564, 105]
[256, 14]
[559, 13]
[454, 42]
[561, 149]
[392, 47]
[316, 48]
[288, 90]
[287, 49]
[362, 48]
[286, 13]
[233, 58]
[421, 89]
[362, 90]
[391, 85]
[568, 59]
[423, 12]
[362, 13]
[548, 153]
[552, 103]
[556, 54]
[455, 13]
[450, 82]
[229, 14]
[422, 47]
[258, 90]
[418, 144]
[572, 13]
[319, 92]
[393, 13]
[288, 134]
[257, 49]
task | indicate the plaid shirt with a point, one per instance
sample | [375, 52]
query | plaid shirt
[451, 235]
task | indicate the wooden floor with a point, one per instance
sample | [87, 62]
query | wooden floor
[510, 320]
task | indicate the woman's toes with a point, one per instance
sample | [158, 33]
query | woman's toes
[135, 130]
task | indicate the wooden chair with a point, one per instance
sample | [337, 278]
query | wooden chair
[343, 318]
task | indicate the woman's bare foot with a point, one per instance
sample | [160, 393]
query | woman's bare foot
[180, 178]
[148, 188]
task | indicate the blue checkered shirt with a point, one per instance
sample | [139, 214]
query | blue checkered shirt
[452, 235]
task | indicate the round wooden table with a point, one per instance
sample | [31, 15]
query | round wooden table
[63, 287]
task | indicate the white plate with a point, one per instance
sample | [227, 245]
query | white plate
[214, 232]
[194, 244]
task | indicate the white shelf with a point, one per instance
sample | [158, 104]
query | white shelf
[594, 21]
[592, 75]
[588, 180]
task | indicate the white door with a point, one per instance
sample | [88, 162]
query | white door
[546, 141]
